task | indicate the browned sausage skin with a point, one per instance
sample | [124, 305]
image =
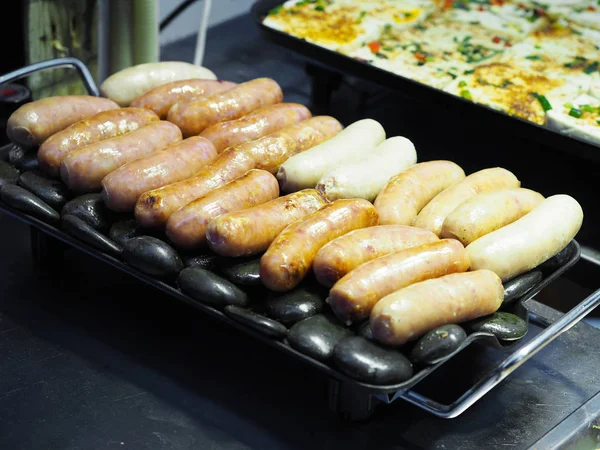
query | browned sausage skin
[290, 256]
[186, 228]
[251, 231]
[195, 115]
[83, 169]
[161, 98]
[180, 161]
[104, 125]
[353, 297]
[349, 251]
[153, 208]
[255, 125]
[35, 122]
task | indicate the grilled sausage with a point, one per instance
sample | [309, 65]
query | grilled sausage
[83, 169]
[195, 115]
[406, 194]
[365, 178]
[161, 98]
[186, 228]
[154, 207]
[34, 122]
[351, 144]
[255, 125]
[433, 215]
[290, 256]
[128, 84]
[414, 310]
[271, 151]
[487, 212]
[251, 231]
[349, 251]
[104, 125]
[353, 297]
[529, 241]
[122, 187]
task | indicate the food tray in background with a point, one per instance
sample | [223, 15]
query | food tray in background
[352, 398]
[415, 90]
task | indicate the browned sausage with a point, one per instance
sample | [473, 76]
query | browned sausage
[161, 98]
[195, 115]
[122, 187]
[349, 251]
[154, 207]
[273, 150]
[257, 124]
[187, 227]
[352, 298]
[251, 231]
[290, 256]
[34, 122]
[410, 312]
[83, 169]
[104, 125]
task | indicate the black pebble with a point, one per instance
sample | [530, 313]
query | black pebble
[299, 304]
[91, 209]
[519, 286]
[123, 230]
[152, 256]
[8, 174]
[366, 331]
[210, 288]
[243, 273]
[505, 326]
[256, 321]
[206, 261]
[23, 159]
[51, 191]
[81, 230]
[368, 362]
[23, 200]
[437, 344]
[5, 151]
[317, 336]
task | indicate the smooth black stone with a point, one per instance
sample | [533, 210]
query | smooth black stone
[317, 336]
[23, 159]
[51, 191]
[519, 286]
[366, 361]
[23, 200]
[123, 230]
[152, 256]
[5, 151]
[206, 261]
[256, 321]
[558, 260]
[91, 209]
[210, 288]
[505, 326]
[299, 304]
[244, 273]
[366, 331]
[81, 230]
[438, 344]
[8, 174]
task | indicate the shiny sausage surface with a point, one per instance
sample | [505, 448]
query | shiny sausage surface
[180, 161]
[186, 228]
[251, 231]
[83, 169]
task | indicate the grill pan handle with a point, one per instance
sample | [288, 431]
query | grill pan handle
[509, 365]
[57, 63]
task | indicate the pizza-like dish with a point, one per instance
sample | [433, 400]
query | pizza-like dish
[537, 60]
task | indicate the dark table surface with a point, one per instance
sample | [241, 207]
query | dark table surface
[93, 359]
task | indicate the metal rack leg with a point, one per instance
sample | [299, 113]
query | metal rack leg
[323, 83]
[351, 402]
[46, 252]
